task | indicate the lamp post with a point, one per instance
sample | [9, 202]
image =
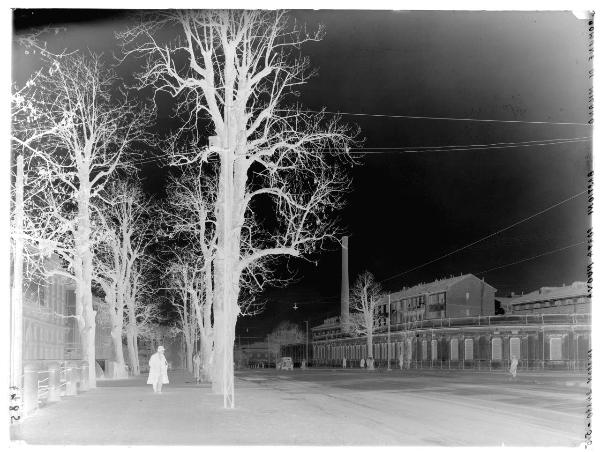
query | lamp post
[306, 355]
[389, 339]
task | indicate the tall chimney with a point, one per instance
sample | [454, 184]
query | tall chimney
[345, 307]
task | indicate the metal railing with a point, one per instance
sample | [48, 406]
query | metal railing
[44, 385]
[453, 322]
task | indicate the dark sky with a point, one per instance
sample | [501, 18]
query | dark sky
[406, 209]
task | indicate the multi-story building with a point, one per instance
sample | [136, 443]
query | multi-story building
[46, 325]
[572, 299]
[50, 330]
[460, 296]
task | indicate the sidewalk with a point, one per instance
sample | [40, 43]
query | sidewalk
[127, 412]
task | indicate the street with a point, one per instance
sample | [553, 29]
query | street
[324, 407]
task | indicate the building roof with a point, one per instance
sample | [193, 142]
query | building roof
[440, 285]
[575, 290]
[332, 322]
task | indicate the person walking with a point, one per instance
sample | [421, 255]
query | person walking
[514, 362]
[344, 362]
[362, 363]
[158, 370]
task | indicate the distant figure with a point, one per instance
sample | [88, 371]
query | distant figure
[303, 366]
[362, 363]
[158, 370]
[197, 367]
[514, 362]
[401, 361]
[344, 362]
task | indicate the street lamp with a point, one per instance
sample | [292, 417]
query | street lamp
[389, 339]
[306, 356]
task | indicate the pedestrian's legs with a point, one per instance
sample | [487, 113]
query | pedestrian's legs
[160, 386]
[154, 386]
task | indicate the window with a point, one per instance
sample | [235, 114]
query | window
[468, 349]
[515, 347]
[454, 349]
[424, 350]
[496, 349]
[434, 349]
[555, 348]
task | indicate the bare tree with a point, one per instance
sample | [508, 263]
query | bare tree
[185, 282]
[73, 134]
[142, 311]
[364, 296]
[123, 241]
[190, 218]
[236, 70]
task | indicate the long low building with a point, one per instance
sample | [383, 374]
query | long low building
[460, 332]
[551, 340]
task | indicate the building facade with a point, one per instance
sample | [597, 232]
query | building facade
[460, 296]
[572, 299]
[461, 332]
[50, 330]
[46, 327]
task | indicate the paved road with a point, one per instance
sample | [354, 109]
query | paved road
[324, 407]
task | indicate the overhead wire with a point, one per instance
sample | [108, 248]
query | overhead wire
[443, 118]
[487, 236]
[419, 149]
[531, 258]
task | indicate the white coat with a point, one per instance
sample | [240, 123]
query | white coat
[158, 369]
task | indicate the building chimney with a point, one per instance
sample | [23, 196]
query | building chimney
[345, 306]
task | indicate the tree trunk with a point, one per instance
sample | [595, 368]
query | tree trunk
[206, 357]
[230, 209]
[134, 362]
[136, 355]
[370, 363]
[119, 367]
[84, 260]
[189, 354]
[87, 320]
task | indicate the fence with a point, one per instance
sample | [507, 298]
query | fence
[49, 384]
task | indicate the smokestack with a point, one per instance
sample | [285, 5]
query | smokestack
[345, 307]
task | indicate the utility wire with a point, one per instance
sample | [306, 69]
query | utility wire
[531, 258]
[419, 149]
[439, 118]
[433, 149]
[487, 236]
